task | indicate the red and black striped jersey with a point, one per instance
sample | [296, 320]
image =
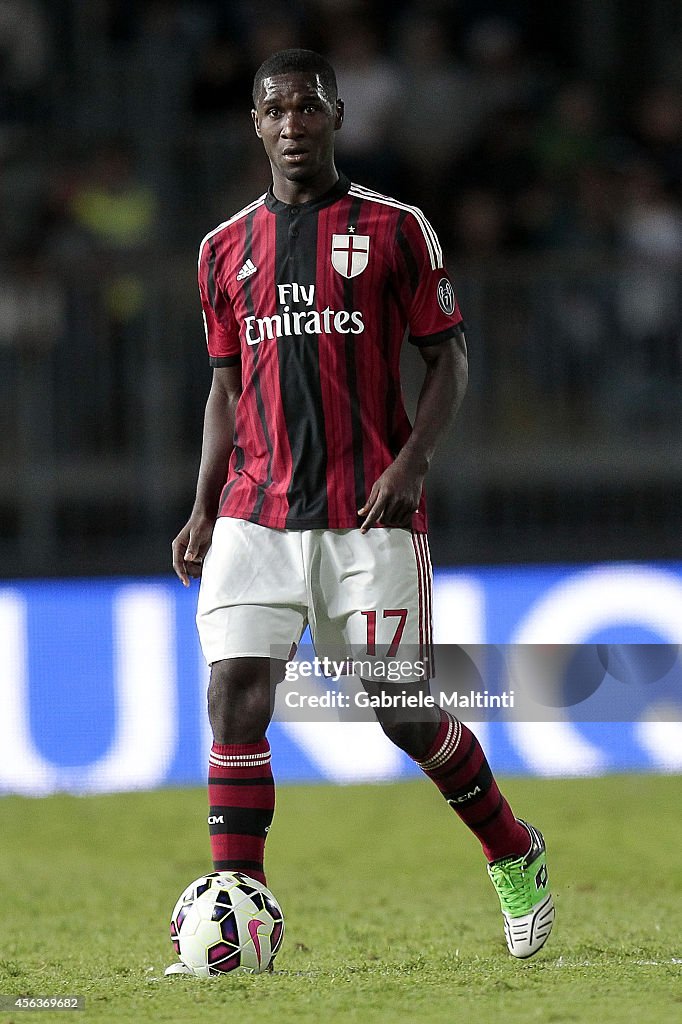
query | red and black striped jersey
[314, 300]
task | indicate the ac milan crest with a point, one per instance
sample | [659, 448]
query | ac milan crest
[350, 254]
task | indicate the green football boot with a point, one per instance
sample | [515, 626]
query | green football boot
[527, 905]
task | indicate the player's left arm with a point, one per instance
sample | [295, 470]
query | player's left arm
[395, 494]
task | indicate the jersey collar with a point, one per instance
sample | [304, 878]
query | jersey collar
[337, 191]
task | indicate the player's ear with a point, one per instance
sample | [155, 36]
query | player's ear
[338, 120]
[254, 115]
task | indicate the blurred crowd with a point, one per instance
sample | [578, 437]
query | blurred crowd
[125, 136]
[124, 127]
[126, 123]
[544, 141]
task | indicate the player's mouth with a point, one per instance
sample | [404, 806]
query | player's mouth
[294, 154]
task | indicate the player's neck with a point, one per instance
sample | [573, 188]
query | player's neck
[294, 193]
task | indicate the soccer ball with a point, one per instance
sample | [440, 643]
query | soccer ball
[226, 921]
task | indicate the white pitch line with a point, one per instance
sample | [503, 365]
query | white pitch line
[674, 961]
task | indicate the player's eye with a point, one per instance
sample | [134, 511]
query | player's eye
[272, 112]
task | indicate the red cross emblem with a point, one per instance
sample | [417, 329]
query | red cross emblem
[350, 254]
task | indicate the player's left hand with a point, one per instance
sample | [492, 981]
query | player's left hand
[394, 496]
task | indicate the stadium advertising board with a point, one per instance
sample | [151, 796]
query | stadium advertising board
[103, 686]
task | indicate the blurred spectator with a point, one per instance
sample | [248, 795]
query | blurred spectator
[657, 132]
[479, 225]
[32, 304]
[502, 156]
[505, 76]
[111, 219]
[223, 81]
[650, 297]
[369, 85]
[650, 227]
[21, 186]
[571, 135]
[268, 27]
[219, 129]
[437, 104]
[669, 64]
[261, 27]
[535, 216]
[32, 321]
[186, 23]
[118, 215]
[114, 209]
[651, 218]
[24, 58]
[585, 219]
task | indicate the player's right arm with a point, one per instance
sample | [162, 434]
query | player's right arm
[194, 539]
[222, 340]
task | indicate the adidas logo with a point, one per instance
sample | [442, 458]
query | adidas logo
[247, 270]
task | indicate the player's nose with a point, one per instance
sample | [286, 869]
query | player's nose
[292, 126]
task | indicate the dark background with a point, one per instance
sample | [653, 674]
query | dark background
[543, 141]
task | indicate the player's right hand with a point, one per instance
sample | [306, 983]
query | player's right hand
[189, 548]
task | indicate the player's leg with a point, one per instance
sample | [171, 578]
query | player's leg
[456, 763]
[411, 729]
[515, 851]
[450, 755]
[388, 592]
[241, 789]
[251, 602]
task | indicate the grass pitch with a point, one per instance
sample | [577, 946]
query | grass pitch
[390, 915]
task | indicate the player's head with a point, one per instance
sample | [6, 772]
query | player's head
[296, 113]
[304, 62]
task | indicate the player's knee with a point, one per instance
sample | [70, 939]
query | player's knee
[400, 733]
[414, 738]
[239, 702]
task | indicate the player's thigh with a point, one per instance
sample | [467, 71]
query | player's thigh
[373, 591]
[252, 599]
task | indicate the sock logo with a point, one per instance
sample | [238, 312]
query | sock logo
[455, 800]
[216, 819]
[541, 878]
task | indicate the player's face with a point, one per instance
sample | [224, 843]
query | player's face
[296, 119]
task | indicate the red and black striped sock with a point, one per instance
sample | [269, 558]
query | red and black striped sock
[241, 796]
[458, 766]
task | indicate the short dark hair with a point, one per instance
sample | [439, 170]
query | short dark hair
[286, 61]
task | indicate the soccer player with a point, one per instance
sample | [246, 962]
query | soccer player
[309, 506]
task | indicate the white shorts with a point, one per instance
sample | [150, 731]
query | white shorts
[261, 587]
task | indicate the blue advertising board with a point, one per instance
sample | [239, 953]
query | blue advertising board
[103, 686]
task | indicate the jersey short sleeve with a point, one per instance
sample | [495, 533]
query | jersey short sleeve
[428, 295]
[222, 331]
